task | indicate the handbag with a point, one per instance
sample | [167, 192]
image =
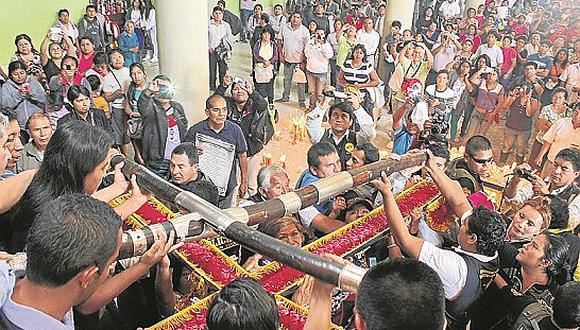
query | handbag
[263, 74]
[135, 127]
[299, 76]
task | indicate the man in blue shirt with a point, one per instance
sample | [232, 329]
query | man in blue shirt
[218, 127]
[404, 130]
[542, 58]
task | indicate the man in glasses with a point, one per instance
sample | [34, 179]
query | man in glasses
[474, 164]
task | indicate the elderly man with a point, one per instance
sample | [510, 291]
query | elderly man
[13, 145]
[273, 181]
[40, 130]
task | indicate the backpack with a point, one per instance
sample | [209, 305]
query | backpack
[530, 317]
[92, 30]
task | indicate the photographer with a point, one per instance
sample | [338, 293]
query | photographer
[318, 52]
[341, 117]
[489, 96]
[561, 183]
[521, 109]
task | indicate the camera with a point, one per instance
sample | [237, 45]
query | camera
[439, 124]
[337, 95]
[488, 70]
[68, 67]
[524, 174]
[26, 87]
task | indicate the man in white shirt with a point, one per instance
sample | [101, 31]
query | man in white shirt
[445, 51]
[219, 34]
[278, 20]
[466, 269]
[570, 79]
[115, 86]
[318, 52]
[370, 39]
[293, 39]
[449, 9]
[492, 50]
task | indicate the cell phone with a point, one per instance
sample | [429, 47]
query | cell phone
[68, 67]
[26, 87]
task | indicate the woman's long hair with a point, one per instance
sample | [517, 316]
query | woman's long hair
[556, 253]
[74, 151]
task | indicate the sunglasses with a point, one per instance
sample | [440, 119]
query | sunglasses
[482, 161]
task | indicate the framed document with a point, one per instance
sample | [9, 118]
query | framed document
[216, 160]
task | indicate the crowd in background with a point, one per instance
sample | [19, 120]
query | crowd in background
[456, 77]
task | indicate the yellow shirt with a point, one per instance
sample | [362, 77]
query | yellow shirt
[100, 103]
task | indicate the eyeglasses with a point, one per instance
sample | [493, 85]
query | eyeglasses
[482, 161]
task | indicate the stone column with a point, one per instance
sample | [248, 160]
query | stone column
[397, 10]
[182, 27]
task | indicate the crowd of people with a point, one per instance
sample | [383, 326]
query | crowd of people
[455, 78]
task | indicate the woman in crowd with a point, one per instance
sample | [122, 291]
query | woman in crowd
[27, 54]
[265, 55]
[150, 28]
[359, 74]
[559, 65]
[80, 108]
[333, 40]
[488, 97]
[312, 26]
[136, 87]
[129, 44]
[458, 81]
[164, 124]
[548, 116]
[52, 53]
[68, 76]
[469, 19]
[440, 95]
[75, 161]
[425, 20]
[430, 36]
[471, 34]
[481, 62]
[345, 44]
[521, 108]
[287, 229]
[23, 95]
[136, 14]
[466, 53]
[86, 54]
[534, 46]
[540, 268]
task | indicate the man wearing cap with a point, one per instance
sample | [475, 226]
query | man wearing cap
[341, 117]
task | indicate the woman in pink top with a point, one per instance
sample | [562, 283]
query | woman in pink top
[86, 55]
[471, 34]
[489, 95]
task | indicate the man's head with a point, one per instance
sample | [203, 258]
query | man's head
[258, 9]
[101, 63]
[340, 118]
[369, 24]
[396, 27]
[183, 165]
[566, 168]
[72, 243]
[530, 70]
[296, 19]
[361, 155]
[538, 214]
[216, 110]
[491, 38]
[217, 14]
[400, 293]
[4, 153]
[273, 181]
[566, 306]
[544, 47]
[323, 160]
[13, 145]
[478, 155]
[39, 129]
[91, 11]
[243, 304]
[278, 9]
[482, 231]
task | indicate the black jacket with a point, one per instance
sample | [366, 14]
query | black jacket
[97, 118]
[255, 105]
[154, 119]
